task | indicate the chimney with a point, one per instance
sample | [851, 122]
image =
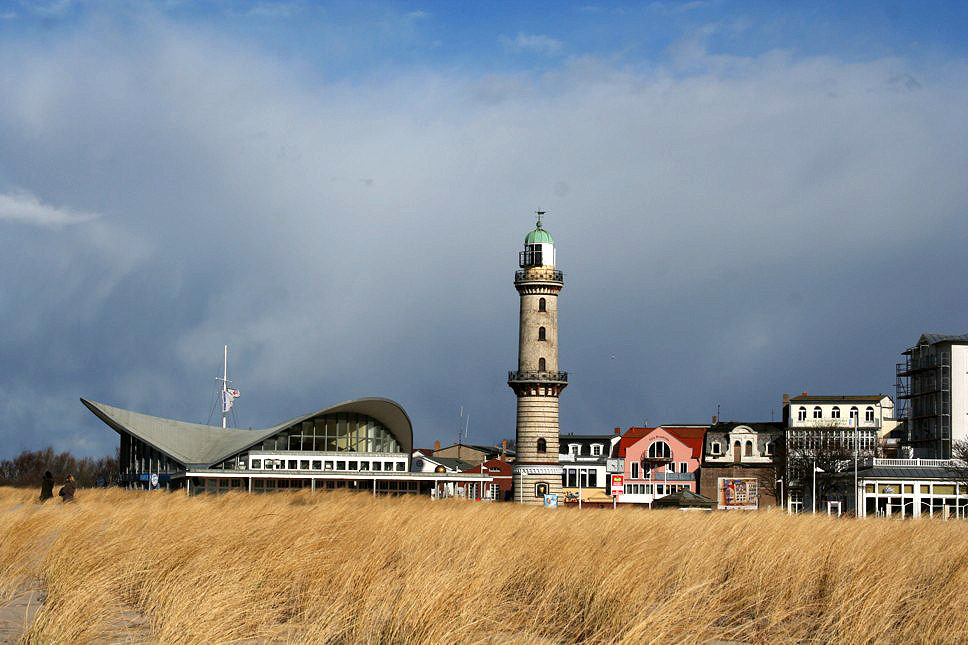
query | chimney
[803, 393]
[504, 450]
[786, 399]
[436, 445]
[618, 431]
[715, 419]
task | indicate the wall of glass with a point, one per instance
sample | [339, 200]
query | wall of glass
[335, 433]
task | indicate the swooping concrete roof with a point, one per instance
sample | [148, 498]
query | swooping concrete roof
[197, 444]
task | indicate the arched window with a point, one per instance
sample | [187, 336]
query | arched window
[541, 333]
[737, 451]
[869, 413]
[802, 414]
[541, 364]
[749, 448]
[542, 305]
[853, 412]
[835, 412]
[542, 445]
[660, 450]
[817, 412]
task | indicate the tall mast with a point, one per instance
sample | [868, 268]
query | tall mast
[225, 384]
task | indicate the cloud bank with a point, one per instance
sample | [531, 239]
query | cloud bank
[729, 229]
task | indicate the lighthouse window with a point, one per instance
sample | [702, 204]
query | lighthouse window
[541, 364]
[542, 305]
[542, 445]
[541, 333]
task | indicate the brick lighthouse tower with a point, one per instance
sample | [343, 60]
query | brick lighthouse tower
[537, 381]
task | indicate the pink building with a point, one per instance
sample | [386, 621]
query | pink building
[662, 461]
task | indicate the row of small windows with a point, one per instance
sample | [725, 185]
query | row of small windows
[660, 489]
[328, 464]
[716, 448]
[834, 413]
[671, 467]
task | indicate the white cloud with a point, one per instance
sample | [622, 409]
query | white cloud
[352, 238]
[24, 207]
[536, 43]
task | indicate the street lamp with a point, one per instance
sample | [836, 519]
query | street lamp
[815, 471]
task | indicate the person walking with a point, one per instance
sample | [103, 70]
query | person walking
[67, 491]
[46, 487]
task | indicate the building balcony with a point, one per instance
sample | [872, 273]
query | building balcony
[538, 274]
[523, 376]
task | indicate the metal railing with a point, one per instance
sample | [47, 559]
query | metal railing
[539, 275]
[519, 376]
[938, 463]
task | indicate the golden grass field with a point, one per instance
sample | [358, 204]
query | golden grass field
[344, 568]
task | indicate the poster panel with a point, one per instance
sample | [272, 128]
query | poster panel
[738, 493]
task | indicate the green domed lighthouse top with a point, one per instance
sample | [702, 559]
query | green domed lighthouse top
[539, 235]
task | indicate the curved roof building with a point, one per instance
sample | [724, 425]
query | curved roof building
[363, 444]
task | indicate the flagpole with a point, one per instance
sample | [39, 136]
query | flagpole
[814, 487]
[856, 455]
[225, 386]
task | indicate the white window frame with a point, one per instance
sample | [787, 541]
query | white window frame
[835, 412]
[817, 412]
[635, 470]
[802, 413]
[869, 413]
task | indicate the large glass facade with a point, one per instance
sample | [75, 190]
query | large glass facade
[335, 433]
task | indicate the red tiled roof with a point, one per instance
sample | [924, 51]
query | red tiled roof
[691, 436]
[631, 435]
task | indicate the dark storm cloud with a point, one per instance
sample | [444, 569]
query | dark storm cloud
[754, 226]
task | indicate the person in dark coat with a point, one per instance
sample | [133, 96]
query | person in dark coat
[46, 487]
[67, 492]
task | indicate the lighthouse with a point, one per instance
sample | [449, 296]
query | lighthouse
[537, 382]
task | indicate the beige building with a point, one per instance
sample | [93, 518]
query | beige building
[537, 382]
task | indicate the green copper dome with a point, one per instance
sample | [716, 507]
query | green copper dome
[539, 236]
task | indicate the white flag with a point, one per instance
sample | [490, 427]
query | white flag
[228, 398]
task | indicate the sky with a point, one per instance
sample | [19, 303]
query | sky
[748, 199]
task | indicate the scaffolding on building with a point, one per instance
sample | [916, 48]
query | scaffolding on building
[923, 382]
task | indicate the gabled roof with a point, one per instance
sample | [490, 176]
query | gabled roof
[198, 444]
[583, 440]
[692, 436]
[685, 499]
[631, 435]
[451, 463]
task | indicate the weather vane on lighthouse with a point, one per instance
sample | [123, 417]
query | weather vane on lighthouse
[540, 213]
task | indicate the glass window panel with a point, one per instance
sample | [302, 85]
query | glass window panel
[908, 488]
[926, 488]
[944, 489]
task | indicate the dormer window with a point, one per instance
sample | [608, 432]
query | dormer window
[542, 445]
[716, 448]
[574, 449]
[768, 449]
[596, 450]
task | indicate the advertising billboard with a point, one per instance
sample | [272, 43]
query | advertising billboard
[738, 493]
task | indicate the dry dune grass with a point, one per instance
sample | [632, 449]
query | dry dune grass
[343, 568]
